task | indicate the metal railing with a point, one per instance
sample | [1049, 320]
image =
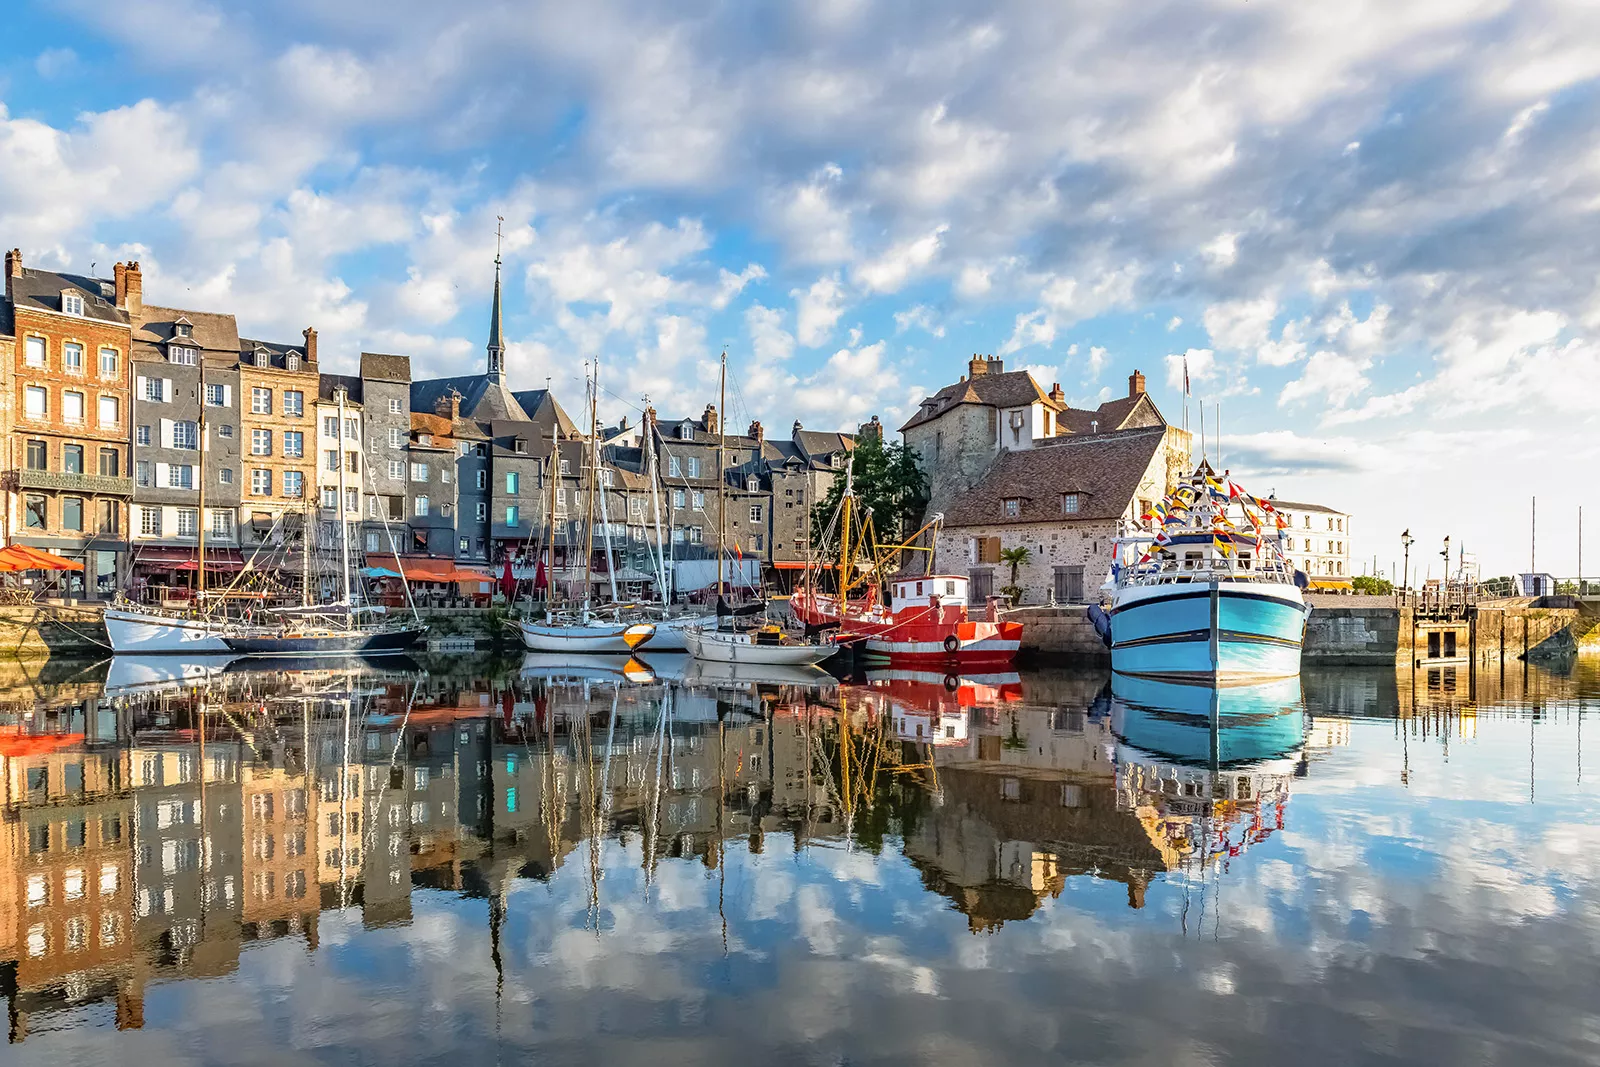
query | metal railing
[102, 484]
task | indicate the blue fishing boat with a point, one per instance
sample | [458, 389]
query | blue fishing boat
[1204, 593]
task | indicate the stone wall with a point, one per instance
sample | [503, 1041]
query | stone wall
[1050, 545]
[1358, 634]
[42, 631]
[1053, 635]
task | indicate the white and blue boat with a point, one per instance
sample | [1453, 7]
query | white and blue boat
[1205, 593]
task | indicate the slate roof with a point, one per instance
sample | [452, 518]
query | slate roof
[378, 367]
[154, 326]
[531, 400]
[483, 397]
[1105, 467]
[327, 382]
[822, 442]
[1292, 506]
[1008, 389]
[40, 290]
[278, 351]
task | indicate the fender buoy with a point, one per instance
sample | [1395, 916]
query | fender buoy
[951, 643]
[952, 682]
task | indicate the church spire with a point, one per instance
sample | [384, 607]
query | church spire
[497, 337]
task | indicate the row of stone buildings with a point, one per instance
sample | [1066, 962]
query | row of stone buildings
[131, 429]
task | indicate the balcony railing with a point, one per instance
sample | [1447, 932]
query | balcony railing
[96, 484]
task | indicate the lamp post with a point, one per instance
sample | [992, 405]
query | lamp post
[1405, 571]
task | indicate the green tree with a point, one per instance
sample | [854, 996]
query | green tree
[1363, 583]
[1014, 558]
[887, 480]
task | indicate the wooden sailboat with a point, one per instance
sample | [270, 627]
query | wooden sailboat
[586, 630]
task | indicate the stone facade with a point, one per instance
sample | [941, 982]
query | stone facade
[278, 387]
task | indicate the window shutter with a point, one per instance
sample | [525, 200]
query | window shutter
[138, 382]
[166, 390]
[227, 396]
[161, 475]
[166, 433]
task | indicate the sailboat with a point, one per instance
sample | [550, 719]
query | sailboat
[764, 644]
[343, 628]
[585, 630]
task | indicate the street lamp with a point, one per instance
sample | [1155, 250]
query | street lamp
[1405, 571]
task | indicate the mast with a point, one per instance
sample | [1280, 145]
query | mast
[200, 587]
[605, 516]
[652, 471]
[306, 537]
[722, 418]
[344, 520]
[844, 530]
[588, 507]
[550, 546]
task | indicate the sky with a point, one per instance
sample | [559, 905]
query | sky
[1368, 227]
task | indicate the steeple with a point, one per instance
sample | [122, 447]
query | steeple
[497, 336]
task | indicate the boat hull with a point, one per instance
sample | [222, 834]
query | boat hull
[313, 645]
[146, 633]
[739, 649]
[610, 638]
[1209, 632]
[965, 646]
[1209, 725]
[670, 633]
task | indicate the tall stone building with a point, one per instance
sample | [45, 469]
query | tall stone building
[386, 437]
[278, 386]
[67, 484]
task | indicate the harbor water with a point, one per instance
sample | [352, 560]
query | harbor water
[646, 862]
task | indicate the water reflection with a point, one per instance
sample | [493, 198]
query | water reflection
[161, 819]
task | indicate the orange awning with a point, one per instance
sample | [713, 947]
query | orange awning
[24, 558]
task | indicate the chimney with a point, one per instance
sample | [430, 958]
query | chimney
[977, 365]
[130, 287]
[996, 366]
[871, 429]
[119, 287]
[310, 334]
[797, 428]
[13, 268]
[1135, 384]
[647, 424]
[448, 406]
[1056, 394]
[757, 432]
[708, 420]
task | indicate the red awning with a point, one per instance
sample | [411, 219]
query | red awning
[172, 557]
[24, 558]
[427, 568]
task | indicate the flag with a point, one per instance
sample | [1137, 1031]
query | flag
[1234, 492]
[541, 580]
[508, 583]
[1222, 546]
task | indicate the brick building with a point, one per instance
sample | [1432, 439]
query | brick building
[278, 388]
[68, 482]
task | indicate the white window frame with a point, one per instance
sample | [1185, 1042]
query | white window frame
[67, 395]
[68, 350]
[260, 400]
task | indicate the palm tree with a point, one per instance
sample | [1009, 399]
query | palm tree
[1015, 557]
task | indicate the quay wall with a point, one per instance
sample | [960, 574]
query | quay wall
[1062, 633]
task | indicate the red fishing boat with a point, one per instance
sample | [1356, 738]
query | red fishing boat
[926, 621]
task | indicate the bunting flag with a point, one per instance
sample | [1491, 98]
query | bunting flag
[1234, 492]
[1222, 546]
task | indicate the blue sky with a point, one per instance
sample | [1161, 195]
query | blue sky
[1367, 225]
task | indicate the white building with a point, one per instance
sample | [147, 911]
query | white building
[339, 463]
[1318, 542]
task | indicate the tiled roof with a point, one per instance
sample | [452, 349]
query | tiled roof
[1008, 389]
[377, 367]
[154, 326]
[1105, 468]
[40, 290]
[278, 351]
[1112, 415]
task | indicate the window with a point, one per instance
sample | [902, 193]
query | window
[260, 401]
[519, 446]
[110, 463]
[677, 498]
[421, 507]
[1069, 503]
[291, 361]
[294, 484]
[261, 481]
[225, 431]
[72, 303]
[464, 546]
[294, 443]
[397, 469]
[154, 391]
[183, 356]
[33, 352]
[481, 512]
[150, 521]
[110, 359]
[36, 402]
[38, 456]
[444, 473]
[1012, 507]
[72, 405]
[180, 476]
[605, 478]
[352, 501]
[330, 459]
[294, 401]
[513, 483]
[141, 474]
[72, 358]
[419, 472]
[330, 497]
[513, 515]
[686, 431]
[753, 485]
[699, 499]
[694, 467]
[352, 430]
[695, 535]
[263, 358]
[110, 879]
[225, 475]
[566, 466]
[216, 395]
[397, 437]
[261, 442]
[352, 462]
[482, 479]
[755, 542]
[330, 426]
[674, 469]
[110, 411]
[72, 513]
[372, 538]
[755, 512]
[636, 506]
[396, 407]
[141, 435]
[222, 524]
[188, 522]
[72, 459]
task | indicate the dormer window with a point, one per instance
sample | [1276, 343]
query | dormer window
[262, 359]
[425, 439]
[605, 478]
[292, 361]
[183, 328]
[1069, 503]
[520, 445]
[752, 485]
[183, 355]
[685, 432]
[1011, 507]
[71, 302]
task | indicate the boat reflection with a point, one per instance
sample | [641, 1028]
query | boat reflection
[157, 824]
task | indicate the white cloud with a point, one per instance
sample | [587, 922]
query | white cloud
[769, 341]
[1330, 376]
[1173, 323]
[890, 271]
[817, 310]
[920, 316]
